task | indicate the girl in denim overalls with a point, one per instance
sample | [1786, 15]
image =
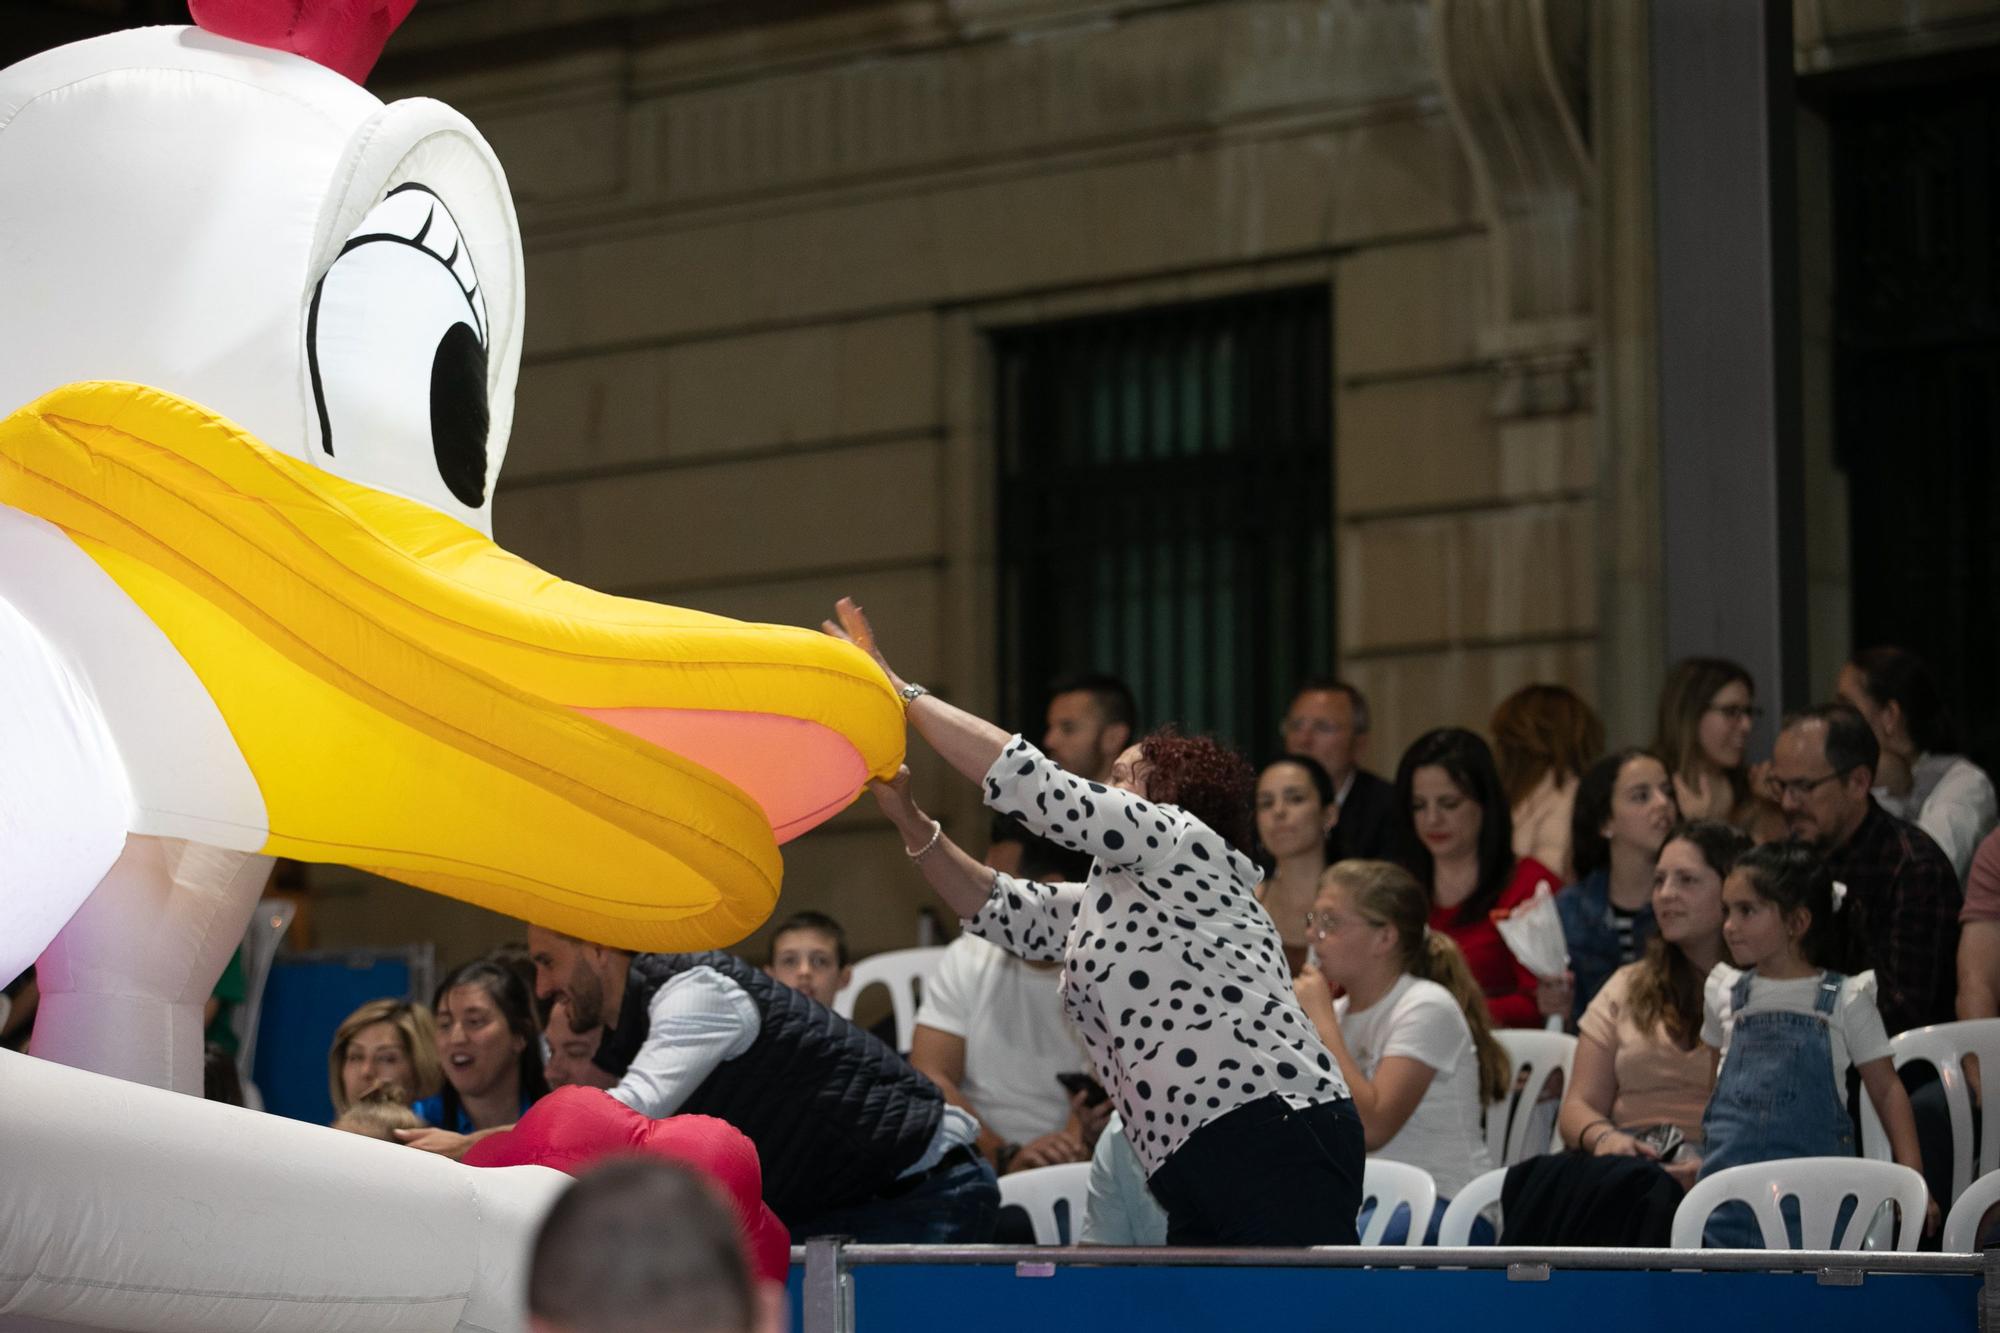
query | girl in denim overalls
[1784, 1029]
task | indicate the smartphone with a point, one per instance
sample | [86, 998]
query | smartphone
[1093, 1091]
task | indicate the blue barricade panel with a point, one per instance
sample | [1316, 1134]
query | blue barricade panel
[969, 1298]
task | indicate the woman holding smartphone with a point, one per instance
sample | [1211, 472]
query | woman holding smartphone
[1172, 971]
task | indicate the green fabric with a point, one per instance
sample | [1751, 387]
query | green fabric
[232, 989]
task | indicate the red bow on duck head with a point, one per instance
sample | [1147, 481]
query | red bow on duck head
[347, 36]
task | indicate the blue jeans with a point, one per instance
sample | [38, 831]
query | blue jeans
[1398, 1230]
[954, 1205]
[1775, 1099]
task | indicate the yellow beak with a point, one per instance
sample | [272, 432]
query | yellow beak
[414, 701]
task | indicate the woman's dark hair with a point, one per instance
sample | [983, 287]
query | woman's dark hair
[1323, 784]
[1791, 875]
[1898, 676]
[516, 1003]
[1589, 849]
[1667, 988]
[1468, 762]
[1691, 687]
[1205, 778]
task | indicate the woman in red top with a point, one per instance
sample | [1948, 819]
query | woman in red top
[1454, 832]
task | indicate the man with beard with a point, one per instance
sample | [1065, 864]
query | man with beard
[853, 1140]
[1900, 914]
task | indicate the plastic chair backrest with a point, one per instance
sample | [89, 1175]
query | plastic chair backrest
[1520, 1125]
[1945, 1045]
[1053, 1197]
[1961, 1225]
[1821, 1185]
[260, 945]
[1480, 1193]
[1393, 1183]
[900, 970]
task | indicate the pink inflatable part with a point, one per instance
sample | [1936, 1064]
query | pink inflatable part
[346, 36]
[574, 1127]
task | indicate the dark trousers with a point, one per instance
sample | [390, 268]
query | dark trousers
[1265, 1174]
[954, 1204]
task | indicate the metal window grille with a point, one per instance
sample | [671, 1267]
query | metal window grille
[1164, 508]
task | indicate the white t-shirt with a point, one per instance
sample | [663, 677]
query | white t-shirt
[1420, 1020]
[1010, 1014]
[1855, 1031]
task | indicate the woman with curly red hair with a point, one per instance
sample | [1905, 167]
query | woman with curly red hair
[1173, 973]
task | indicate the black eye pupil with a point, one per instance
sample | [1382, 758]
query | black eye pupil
[459, 419]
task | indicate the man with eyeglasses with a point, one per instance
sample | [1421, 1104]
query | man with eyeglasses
[1328, 722]
[1900, 915]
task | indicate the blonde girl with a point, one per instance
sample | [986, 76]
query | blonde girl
[1412, 1034]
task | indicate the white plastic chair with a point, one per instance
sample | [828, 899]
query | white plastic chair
[1946, 1045]
[900, 970]
[260, 946]
[1389, 1184]
[1480, 1193]
[1961, 1226]
[1053, 1197]
[1521, 1125]
[1821, 1185]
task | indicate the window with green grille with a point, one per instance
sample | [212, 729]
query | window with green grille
[1164, 508]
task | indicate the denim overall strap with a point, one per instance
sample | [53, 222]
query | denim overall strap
[1739, 994]
[1775, 1097]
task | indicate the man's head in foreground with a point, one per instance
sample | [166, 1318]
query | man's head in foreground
[644, 1245]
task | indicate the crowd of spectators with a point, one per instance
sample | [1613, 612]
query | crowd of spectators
[1878, 904]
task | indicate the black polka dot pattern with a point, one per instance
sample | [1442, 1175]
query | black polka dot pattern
[1197, 1018]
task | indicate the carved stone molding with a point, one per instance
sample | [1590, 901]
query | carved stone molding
[1515, 77]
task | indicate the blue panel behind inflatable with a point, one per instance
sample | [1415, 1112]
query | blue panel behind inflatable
[304, 1002]
[970, 1298]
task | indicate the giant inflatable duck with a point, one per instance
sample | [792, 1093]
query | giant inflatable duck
[258, 355]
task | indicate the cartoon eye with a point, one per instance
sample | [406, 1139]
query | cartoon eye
[396, 341]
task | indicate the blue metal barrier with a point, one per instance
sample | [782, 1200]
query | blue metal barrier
[839, 1288]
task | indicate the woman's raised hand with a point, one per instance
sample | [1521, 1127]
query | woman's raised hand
[850, 623]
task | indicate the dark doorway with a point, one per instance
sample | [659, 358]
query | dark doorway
[1917, 359]
[1165, 508]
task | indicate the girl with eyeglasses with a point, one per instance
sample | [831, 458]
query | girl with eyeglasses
[1707, 709]
[1411, 1033]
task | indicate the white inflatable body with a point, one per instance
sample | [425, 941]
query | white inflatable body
[128, 1207]
[130, 823]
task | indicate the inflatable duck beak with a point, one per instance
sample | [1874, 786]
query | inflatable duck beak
[414, 701]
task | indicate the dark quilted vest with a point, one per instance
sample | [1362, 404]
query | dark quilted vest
[835, 1114]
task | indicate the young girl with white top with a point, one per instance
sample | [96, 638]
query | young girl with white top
[1412, 1035]
[1785, 1029]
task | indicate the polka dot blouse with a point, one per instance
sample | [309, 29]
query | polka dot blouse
[1172, 971]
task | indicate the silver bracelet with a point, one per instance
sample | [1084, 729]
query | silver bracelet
[912, 692]
[937, 831]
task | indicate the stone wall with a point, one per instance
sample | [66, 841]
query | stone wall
[761, 260]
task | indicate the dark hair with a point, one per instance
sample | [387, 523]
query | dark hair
[1112, 696]
[641, 1243]
[1334, 685]
[220, 1081]
[1850, 741]
[1791, 875]
[1205, 778]
[1666, 989]
[1315, 773]
[514, 954]
[809, 920]
[1468, 762]
[1041, 858]
[1589, 849]
[515, 999]
[1542, 729]
[1898, 676]
[1691, 687]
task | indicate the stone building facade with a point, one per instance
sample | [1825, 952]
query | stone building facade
[766, 244]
